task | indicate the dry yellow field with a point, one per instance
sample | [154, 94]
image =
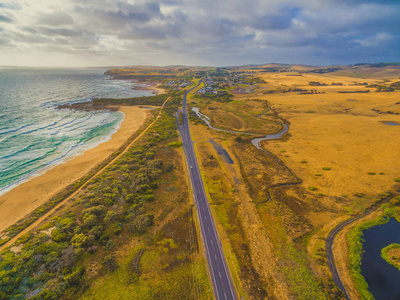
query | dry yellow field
[341, 131]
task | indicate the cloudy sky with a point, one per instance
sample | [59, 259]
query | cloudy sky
[198, 32]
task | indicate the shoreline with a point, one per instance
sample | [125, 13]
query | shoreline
[27, 196]
[63, 159]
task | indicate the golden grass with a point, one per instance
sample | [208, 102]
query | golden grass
[337, 131]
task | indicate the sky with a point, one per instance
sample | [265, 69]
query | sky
[193, 32]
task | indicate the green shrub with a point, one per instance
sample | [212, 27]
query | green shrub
[89, 220]
[74, 279]
[110, 216]
[175, 144]
[148, 198]
[109, 245]
[79, 240]
[58, 236]
[104, 239]
[118, 228]
[130, 198]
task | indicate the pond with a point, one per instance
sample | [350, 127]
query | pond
[391, 123]
[383, 279]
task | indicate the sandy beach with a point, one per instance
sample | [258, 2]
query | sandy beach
[26, 197]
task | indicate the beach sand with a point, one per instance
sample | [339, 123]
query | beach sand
[26, 197]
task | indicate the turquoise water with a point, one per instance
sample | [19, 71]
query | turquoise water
[35, 135]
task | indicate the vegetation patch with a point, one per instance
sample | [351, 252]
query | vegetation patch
[388, 254]
[175, 144]
[83, 251]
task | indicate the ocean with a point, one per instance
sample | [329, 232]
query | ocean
[35, 135]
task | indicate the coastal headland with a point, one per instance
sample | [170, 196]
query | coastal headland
[29, 195]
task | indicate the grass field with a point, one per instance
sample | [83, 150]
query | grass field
[338, 158]
[343, 132]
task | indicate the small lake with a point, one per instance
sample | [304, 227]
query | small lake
[391, 123]
[383, 279]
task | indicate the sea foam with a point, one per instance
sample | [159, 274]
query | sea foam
[35, 135]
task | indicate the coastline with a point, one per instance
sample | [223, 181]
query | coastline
[23, 199]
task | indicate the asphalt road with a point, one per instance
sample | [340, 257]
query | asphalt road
[220, 276]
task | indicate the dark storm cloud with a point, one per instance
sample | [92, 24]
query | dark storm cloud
[282, 20]
[218, 32]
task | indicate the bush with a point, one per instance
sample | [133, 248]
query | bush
[96, 231]
[79, 240]
[58, 236]
[239, 139]
[109, 245]
[130, 198]
[67, 224]
[118, 228]
[104, 239]
[110, 263]
[148, 198]
[75, 278]
[89, 220]
[141, 223]
[143, 188]
[110, 217]
[175, 144]
[95, 210]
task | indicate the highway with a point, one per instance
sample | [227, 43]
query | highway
[220, 276]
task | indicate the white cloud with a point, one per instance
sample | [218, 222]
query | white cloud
[209, 32]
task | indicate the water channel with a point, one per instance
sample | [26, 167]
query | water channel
[383, 279]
